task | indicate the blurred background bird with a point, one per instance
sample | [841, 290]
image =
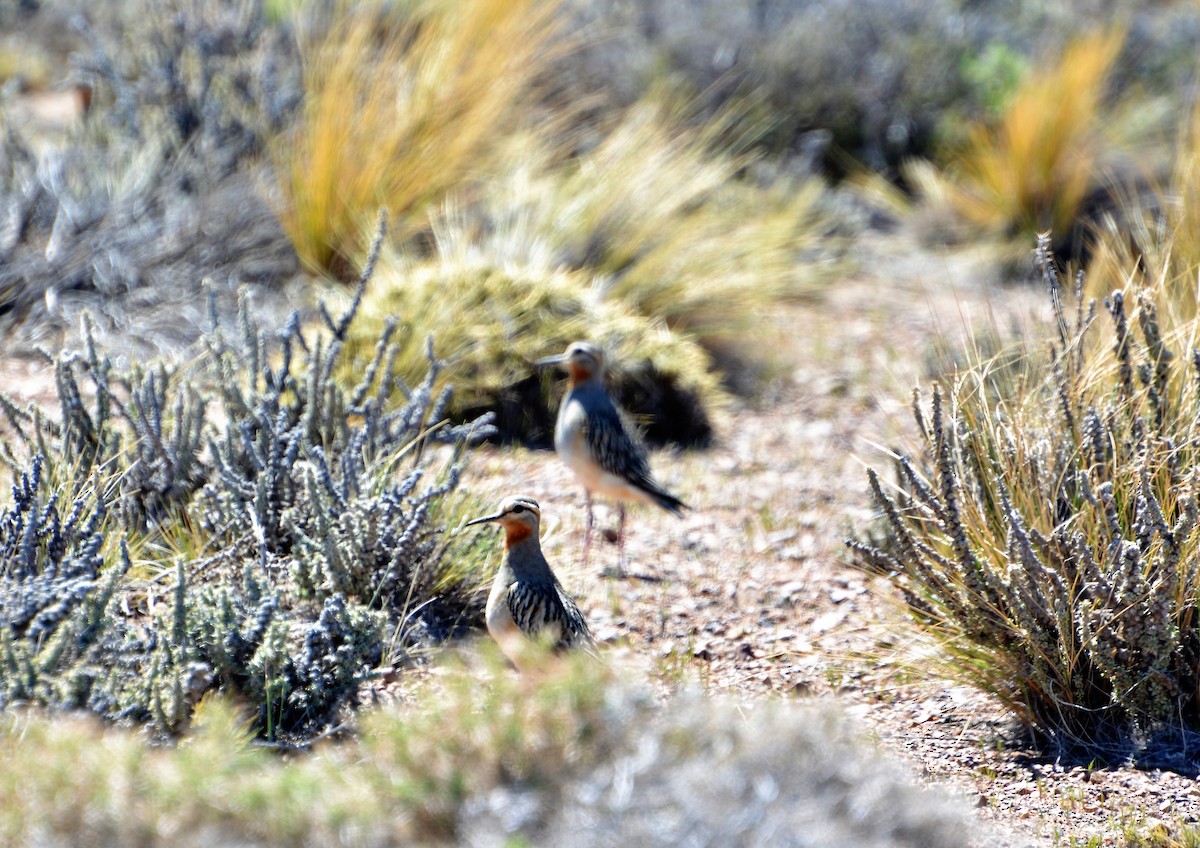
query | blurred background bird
[594, 439]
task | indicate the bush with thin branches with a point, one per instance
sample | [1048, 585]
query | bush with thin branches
[241, 523]
[1046, 536]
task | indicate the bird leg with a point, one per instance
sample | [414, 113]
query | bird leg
[587, 532]
[621, 539]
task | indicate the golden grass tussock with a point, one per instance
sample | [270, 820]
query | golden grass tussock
[402, 107]
[722, 268]
[662, 214]
[1154, 235]
[1031, 170]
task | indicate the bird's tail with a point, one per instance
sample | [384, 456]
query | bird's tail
[668, 502]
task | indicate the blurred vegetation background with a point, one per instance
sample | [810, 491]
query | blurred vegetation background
[666, 170]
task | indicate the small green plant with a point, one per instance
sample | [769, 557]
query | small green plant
[1046, 534]
[995, 74]
[1141, 831]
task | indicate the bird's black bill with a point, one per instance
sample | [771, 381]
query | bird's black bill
[551, 360]
[483, 520]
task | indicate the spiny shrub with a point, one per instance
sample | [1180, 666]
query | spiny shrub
[1047, 534]
[283, 536]
[53, 593]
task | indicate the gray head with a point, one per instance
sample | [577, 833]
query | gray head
[520, 517]
[581, 359]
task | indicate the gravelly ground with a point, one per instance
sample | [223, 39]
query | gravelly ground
[751, 591]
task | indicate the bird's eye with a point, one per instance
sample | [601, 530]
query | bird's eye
[517, 508]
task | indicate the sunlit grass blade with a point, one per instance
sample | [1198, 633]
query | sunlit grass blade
[403, 106]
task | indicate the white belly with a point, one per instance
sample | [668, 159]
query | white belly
[607, 485]
[571, 446]
[500, 624]
[499, 618]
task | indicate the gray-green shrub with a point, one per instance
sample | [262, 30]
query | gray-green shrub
[282, 529]
[1046, 534]
[125, 212]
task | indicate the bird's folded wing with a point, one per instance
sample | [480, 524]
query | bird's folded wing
[544, 610]
[612, 446]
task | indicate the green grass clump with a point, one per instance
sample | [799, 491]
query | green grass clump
[240, 522]
[575, 756]
[491, 325]
[1146, 831]
[1046, 535]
